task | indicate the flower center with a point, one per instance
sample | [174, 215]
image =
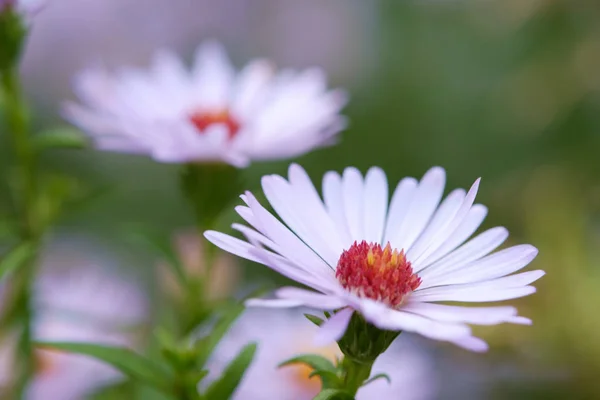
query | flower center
[383, 275]
[203, 119]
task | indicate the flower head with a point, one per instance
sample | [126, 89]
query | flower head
[210, 113]
[390, 261]
[283, 335]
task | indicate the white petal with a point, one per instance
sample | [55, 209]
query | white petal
[493, 266]
[291, 247]
[251, 88]
[213, 76]
[445, 230]
[470, 315]
[375, 206]
[422, 207]
[399, 205]
[472, 221]
[232, 245]
[334, 202]
[476, 248]
[273, 303]
[470, 293]
[443, 215]
[353, 192]
[334, 328]
[310, 298]
[471, 343]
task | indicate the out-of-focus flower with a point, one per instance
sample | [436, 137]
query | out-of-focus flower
[82, 303]
[283, 335]
[209, 113]
[389, 264]
[190, 249]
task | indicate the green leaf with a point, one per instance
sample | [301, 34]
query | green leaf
[378, 376]
[329, 380]
[63, 138]
[314, 319]
[333, 394]
[15, 258]
[125, 360]
[314, 361]
[231, 377]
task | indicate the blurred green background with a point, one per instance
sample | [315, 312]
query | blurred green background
[508, 90]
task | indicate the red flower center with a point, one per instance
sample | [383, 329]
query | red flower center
[383, 275]
[202, 120]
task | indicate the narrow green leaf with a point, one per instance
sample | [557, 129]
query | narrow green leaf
[314, 319]
[314, 361]
[333, 394]
[125, 360]
[329, 380]
[15, 258]
[65, 138]
[378, 376]
[233, 374]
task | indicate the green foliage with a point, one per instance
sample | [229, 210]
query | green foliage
[125, 360]
[15, 258]
[333, 394]
[376, 377]
[60, 138]
[322, 367]
[224, 387]
[12, 35]
[314, 319]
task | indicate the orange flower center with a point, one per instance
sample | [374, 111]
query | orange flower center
[381, 274]
[202, 120]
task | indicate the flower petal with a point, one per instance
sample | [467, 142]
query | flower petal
[334, 328]
[375, 206]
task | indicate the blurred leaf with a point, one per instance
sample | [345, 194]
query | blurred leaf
[329, 379]
[60, 138]
[378, 376]
[314, 361]
[125, 360]
[333, 394]
[224, 387]
[16, 257]
[314, 319]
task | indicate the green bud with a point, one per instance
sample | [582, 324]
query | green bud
[12, 35]
[364, 342]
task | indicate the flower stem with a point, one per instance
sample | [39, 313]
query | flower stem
[17, 120]
[355, 374]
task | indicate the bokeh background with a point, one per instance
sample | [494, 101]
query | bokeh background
[508, 90]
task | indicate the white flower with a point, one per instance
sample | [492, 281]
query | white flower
[83, 304]
[283, 335]
[335, 247]
[209, 113]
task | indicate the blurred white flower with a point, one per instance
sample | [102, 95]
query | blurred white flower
[390, 264]
[82, 303]
[282, 335]
[209, 113]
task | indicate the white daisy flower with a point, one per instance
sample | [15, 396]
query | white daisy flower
[283, 335]
[209, 113]
[83, 304]
[389, 262]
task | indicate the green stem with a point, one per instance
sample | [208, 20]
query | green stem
[17, 120]
[355, 374]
